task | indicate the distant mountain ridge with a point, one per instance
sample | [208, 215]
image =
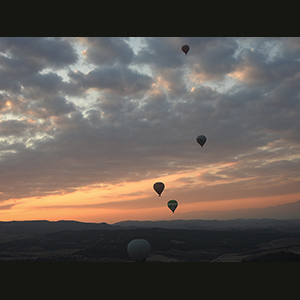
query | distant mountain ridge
[216, 224]
[43, 226]
[22, 228]
[281, 217]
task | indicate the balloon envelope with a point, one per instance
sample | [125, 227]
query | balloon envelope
[139, 249]
[201, 139]
[172, 204]
[185, 49]
[158, 187]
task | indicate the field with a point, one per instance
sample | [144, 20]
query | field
[177, 245]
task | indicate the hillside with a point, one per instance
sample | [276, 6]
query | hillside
[70, 241]
[22, 228]
[41, 227]
[166, 245]
[282, 225]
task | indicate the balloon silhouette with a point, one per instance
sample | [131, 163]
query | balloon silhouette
[185, 49]
[201, 139]
[172, 204]
[139, 249]
[158, 187]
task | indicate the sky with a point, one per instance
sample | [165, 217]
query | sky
[89, 124]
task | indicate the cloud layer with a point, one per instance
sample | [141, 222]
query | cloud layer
[135, 114]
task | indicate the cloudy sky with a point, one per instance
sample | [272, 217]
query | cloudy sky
[88, 125]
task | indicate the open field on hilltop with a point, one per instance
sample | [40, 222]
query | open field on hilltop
[177, 245]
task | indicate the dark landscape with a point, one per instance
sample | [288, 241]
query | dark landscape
[239, 240]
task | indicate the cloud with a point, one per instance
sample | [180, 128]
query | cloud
[23, 58]
[37, 53]
[132, 117]
[161, 52]
[12, 127]
[214, 58]
[6, 207]
[257, 68]
[39, 85]
[107, 50]
[116, 80]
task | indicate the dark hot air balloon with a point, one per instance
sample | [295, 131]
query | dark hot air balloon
[185, 49]
[201, 139]
[172, 204]
[158, 187]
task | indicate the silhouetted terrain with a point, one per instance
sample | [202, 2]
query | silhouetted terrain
[36, 227]
[283, 225]
[72, 241]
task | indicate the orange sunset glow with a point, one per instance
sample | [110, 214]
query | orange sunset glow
[88, 125]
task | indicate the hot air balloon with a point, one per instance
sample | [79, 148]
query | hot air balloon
[172, 204]
[201, 139]
[139, 249]
[185, 49]
[158, 187]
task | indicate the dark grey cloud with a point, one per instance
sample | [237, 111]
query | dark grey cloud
[289, 47]
[161, 52]
[39, 85]
[39, 52]
[52, 106]
[115, 79]
[23, 58]
[12, 127]
[116, 123]
[214, 57]
[107, 50]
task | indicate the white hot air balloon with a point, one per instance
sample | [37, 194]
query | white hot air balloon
[139, 249]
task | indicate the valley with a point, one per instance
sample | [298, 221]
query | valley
[20, 243]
